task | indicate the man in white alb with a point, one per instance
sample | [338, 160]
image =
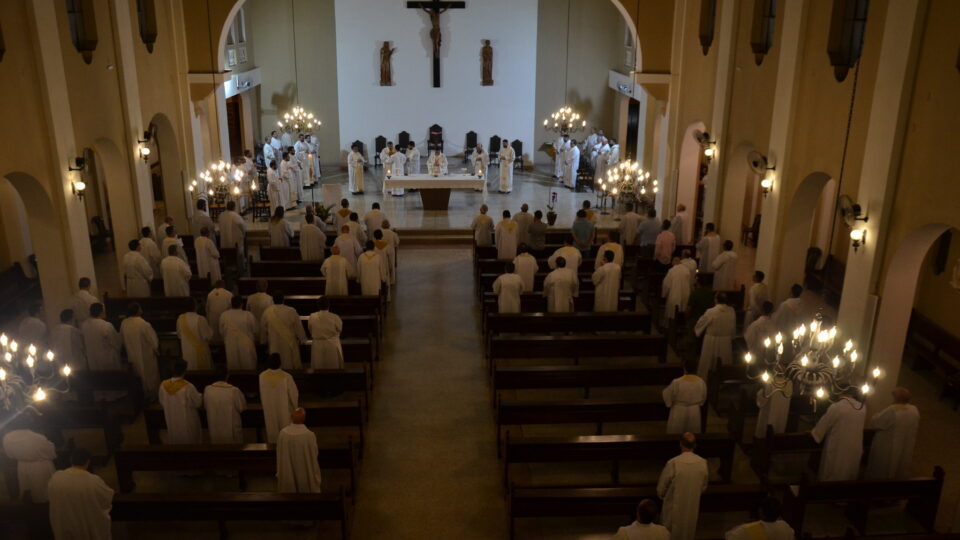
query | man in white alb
[684, 397]
[508, 287]
[181, 407]
[724, 268]
[482, 226]
[223, 403]
[437, 163]
[413, 159]
[284, 332]
[682, 481]
[239, 330]
[278, 397]
[788, 315]
[176, 274]
[629, 224]
[232, 228]
[208, 256]
[526, 266]
[756, 297]
[606, 282]
[840, 430]
[298, 470]
[677, 224]
[507, 156]
[173, 240]
[80, 501]
[571, 160]
[523, 218]
[136, 272]
[676, 288]
[355, 162]
[101, 341]
[718, 326]
[371, 271]
[34, 454]
[612, 244]
[708, 247]
[194, 333]
[760, 329]
[336, 270]
[325, 327]
[569, 253]
[201, 219]
[768, 527]
[258, 302]
[301, 150]
[313, 241]
[891, 454]
[644, 528]
[82, 301]
[67, 341]
[373, 219]
[218, 301]
[559, 154]
[141, 343]
[349, 249]
[506, 236]
[560, 287]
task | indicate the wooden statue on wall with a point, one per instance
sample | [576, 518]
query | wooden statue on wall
[486, 56]
[386, 77]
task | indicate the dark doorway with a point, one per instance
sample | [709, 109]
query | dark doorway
[235, 126]
[633, 130]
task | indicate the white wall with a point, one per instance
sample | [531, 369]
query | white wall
[461, 104]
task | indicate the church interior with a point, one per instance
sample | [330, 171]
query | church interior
[533, 269]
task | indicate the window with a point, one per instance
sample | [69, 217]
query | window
[761, 34]
[845, 41]
[83, 27]
[147, 17]
[708, 16]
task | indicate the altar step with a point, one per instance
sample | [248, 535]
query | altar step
[435, 237]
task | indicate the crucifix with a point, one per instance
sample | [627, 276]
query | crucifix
[434, 8]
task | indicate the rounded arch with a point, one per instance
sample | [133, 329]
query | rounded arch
[224, 30]
[175, 195]
[798, 224]
[632, 25]
[688, 171]
[119, 187]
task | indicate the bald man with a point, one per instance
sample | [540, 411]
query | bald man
[682, 481]
[644, 528]
[891, 454]
[298, 470]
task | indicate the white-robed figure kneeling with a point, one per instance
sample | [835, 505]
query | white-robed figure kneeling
[80, 501]
[278, 397]
[508, 287]
[560, 287]
[891, 453]
[181, 407]
[34, 455]
[717, 326]
[768, 527]
[239, 330]
[355, 163]
[284, 331]
[840, 430]
[298, 470]
[644, 528]
[681, 482]
[606, 282]
[507, 156]
[684, 397]
[176, 274]
[325, 328]
[194, 332]
[371, 272]
[336, 270]
[223, 403]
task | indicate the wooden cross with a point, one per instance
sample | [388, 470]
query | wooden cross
[434, 9]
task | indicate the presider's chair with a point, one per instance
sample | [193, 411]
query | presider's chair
[469, 146]
[494, 150]
[517, 145]
[379, 144]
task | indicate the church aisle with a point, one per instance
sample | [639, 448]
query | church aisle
[430, 468]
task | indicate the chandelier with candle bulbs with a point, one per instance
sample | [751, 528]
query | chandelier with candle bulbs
[565, 120]
[29, 375]
[629, 182]
[298, 119]
[817, 365]
[222, 181]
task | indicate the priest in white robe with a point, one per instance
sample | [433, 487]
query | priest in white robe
[773, 403]
[569, 253]
[181, 407]
[67, 341]
[756, 297]
[708, 247]
[150, 250]
[81, 302]
[274, 187]
[606, 283]
[506, 236]
[482, 226]
[336, 270]
[717, 326]
[301, 150]
[349, 249]
[136, 272]
[526, 266]
[480, 160]
[508, 287]
[840, 430]
[768, 527]
[194, 332]
[523, 218]
[891, 453]
[724, 268]
[437, 164]
[223, 403]
[392, 166]
[571, 160]
[257, 303]
[559, 153]
[176, 274]
[681, 482]
[371, 272]
[239, 330]
[507, 157]
[233, 229]
[290, 179]
[789, 315]
[325, 327]
[759, 330]
[356, 229]
[355, 170]
[201, 219]
[34, 454]
[278, 397]
[644, 528]
[141, 343]
[388, 257]
[373, 220]
[629, 224]
[399, 161]
[678, 223]
[80, 502]
[208, 256]
[218, 301]
[313, 242]
[298, 470]
[611, 245]
[281, 324]
[393, 239]
[281, 233]
[560, 287]
[676, 289]
[413, 159]
[269, 154]
[101, 341]
[684, 397]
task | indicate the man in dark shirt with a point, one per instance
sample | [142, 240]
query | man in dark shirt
[537, 235]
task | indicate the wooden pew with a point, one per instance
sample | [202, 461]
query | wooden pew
[260, 269]
[493, 266]
[55, 417]
[258, 458]
[530, 377]
[537, 303]
[621, 501]
[199, 286]
[746, 407]
[85, 383]
[154, 306]
[283, 253]
[791, 443]
[581, 322]
[614, 448]
[922, 494]
[349, 379]
[486, 281]
[578, 346]
[324, 414]
[289, 285]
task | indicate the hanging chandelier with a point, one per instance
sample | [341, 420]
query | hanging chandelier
[817, 366]
[298, 119]
[221, 180]
[27, 377]
[565, 120]
[630, 182]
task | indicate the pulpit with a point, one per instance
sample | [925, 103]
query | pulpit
[435, 139]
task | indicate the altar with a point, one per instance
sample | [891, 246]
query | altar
[435, 190]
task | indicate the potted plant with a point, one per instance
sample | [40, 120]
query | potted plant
[551, 216]
[322, 212]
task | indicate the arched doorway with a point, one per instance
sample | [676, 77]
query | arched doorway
[798, 230]
[689, 185]
[121, 206]
[166, 173]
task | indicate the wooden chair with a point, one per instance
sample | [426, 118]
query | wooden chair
[517, 146]
[379, 144]
[494, 149]
[469, 145]
[435, 138]
[403, 139]
[750, 234]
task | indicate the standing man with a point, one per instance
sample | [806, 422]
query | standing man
[724, 268]
[194, 333]
[239, 330]
[301, 150]
[718, 326]
[761, 328]
[325, 328]
[774, 407]
[758, 295]
[355, 167]
[181, 407]
[583, 233]
[559, 155]
[675, 289]
[682, 481]
[612, 244]
[523, 219]
[349, 248]
[172, 240]
[560, 287]
[482, 226]
[769, 527]
[82, 301]
[437, 163]
[891, 454]
[34, 454]
[313, 242]
[787, 316]
[508, 287]
[176, 274]
[298, 470]
[677, 224]
[628, 226]
[150, 250]
[208, 256]
[507, 155]
[684, 397]
[708, 247]
[284, 331]
[413, 159]
[336, 270]
[80, 502]
[526, 266]
[371, 272]
[232, 228]
[141, 343]
[275, 196]
[648, 230]
[537, 234]
[224, 402]
[101, 341]
[278, 397]
[218, 301]
[136, 272]
[506, 234]
[67, 341]
[571, 164]
[569, 253]
[840, 430]
[373, 219]
[606, 282]
[201, 218]
[664, 247]
[259, 301]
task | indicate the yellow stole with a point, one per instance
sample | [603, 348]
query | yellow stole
[380, 244]
[756, 531]
[285, 334]
[172, 386]
[199, 347]
[510, 226]
[344, 212]
[690, 377]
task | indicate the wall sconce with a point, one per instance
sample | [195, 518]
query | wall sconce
[851, 213]
[709, 146]
[79, 188]
[76, 164]
[760, 165]
[144, 149]
[766, 184]
[859, 237]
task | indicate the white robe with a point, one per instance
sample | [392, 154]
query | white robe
[399, 159]
[774, 410]
[194, 332]
[200, 220]
[640, 531]
[298, 470]
[371, 273]
[218, 301]
[280, 232]
[571, 165]
[560, 287]
[325, 352]
[617, 250]
[708, 247]
[413, 161]
[176, 276]
[81, 303]
[683, 397]
[32, 330]
[559, 163]
[628, 228]
[523, 219]
[508, 287]
[724, 268]
[312, 243]
[787, 317]
[181, 409]
[291, 180]
[356, 230]
[174, 242]
[437, 165]
[757, 331]
[840, 430]
[208, 258]
[67, 342]
[682, 481]
[257, 303]
[355, 169]
[506, 235]
[756, 296]
[80, 505]
[102, 343]
[765, 530]
[676, 289]
[34, 455]
[718, 326]
[232, 230]
[891, 454]
[507, 155]
[274, 190]
[239, 330]
[677, 228]
[606, 282]
[136, 275]
[388, 256]
[526, 266]
[281, 324]
[151, 252]
[269, 154]
[570, 254]
[278, 397]
[482, 226]
[336, 270]
[373, 221]
[349, 249]
[140, 341]
[224, 403]
[301, 152]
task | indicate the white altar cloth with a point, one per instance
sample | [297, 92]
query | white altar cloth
[425, 181]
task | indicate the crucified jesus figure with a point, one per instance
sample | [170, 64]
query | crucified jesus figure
[435, 28]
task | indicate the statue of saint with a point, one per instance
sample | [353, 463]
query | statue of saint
[435, 28]
[486, 56]
[385, 54]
